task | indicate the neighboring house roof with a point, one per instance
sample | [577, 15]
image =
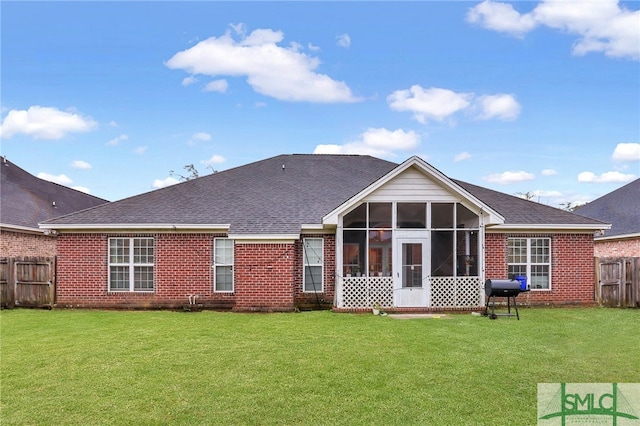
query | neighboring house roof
[621, 208]
[278, 195]
[26, 200]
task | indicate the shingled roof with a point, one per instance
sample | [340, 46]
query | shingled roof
[518, 211]
[621, 208]
[27, 200]
[279, 194]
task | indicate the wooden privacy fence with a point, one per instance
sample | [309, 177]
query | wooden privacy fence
[618, 281]
[27, 281]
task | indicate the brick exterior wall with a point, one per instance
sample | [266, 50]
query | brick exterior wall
[267, 277]
[22, 244]
[621, 248]
[572, 267]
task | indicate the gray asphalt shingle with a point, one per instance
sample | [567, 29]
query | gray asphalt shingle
[621, 208]
[26, 200]
[278, 194]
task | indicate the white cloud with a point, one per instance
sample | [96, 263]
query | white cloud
[438, 104]
[501, 17]
[201, 136]
[80, 164]
[44, 123]
[509, 177]
[343, 40]
[607, 177]
[283, 73]
[219, 86]
[626, 152]
[376, 142]
[601, 26]
[187, 81]
[140, 150]
[60, 179]
[462, 156]
[313, 47]
[501, 106]
[215, 159]
[116, 141]
[549, 172]
[433, 103]
[162, 183]
[547, 194]
[113, 123]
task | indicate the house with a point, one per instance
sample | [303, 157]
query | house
[27, 200]
[621, 208]
[341, 231]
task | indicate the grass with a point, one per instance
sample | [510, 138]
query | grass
[160, 367]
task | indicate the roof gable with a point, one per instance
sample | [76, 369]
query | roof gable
[434, 183]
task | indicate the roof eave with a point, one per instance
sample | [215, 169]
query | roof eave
[264, 238]
[18, 228]
[548, 226]
[135, 226]
[618, 237]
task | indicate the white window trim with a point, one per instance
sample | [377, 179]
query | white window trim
[131, 266]
[305, 264]
[216, 265]
[529, 264]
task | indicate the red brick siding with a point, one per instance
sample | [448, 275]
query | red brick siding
[19, 244]
[622, 248]
[266, 276]
[182, 268]
[572, 267]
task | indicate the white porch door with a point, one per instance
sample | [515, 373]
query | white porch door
[410, 283]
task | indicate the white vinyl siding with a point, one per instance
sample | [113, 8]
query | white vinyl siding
[313, 256]
[223, 265]
[131, 264]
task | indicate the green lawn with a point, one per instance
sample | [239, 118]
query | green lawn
[160, 367]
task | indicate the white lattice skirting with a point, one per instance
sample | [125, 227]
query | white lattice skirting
[446, 292]
[455, 292]
[364, 292]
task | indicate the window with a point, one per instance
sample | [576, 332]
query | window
[312, 252]
[223, 264]
[531, 257]
[131, 264]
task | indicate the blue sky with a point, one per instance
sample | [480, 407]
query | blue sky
[522, 97]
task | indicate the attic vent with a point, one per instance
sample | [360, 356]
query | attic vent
[283, 167]
[53, 203]
[4, 160]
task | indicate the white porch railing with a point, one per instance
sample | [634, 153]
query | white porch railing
[446, 292]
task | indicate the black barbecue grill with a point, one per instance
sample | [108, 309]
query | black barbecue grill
[509, 288]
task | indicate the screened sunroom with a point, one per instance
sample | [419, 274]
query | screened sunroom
[409, 255]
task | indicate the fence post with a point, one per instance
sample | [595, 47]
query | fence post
[11, 282]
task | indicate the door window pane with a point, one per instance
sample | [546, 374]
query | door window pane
[411, 265]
